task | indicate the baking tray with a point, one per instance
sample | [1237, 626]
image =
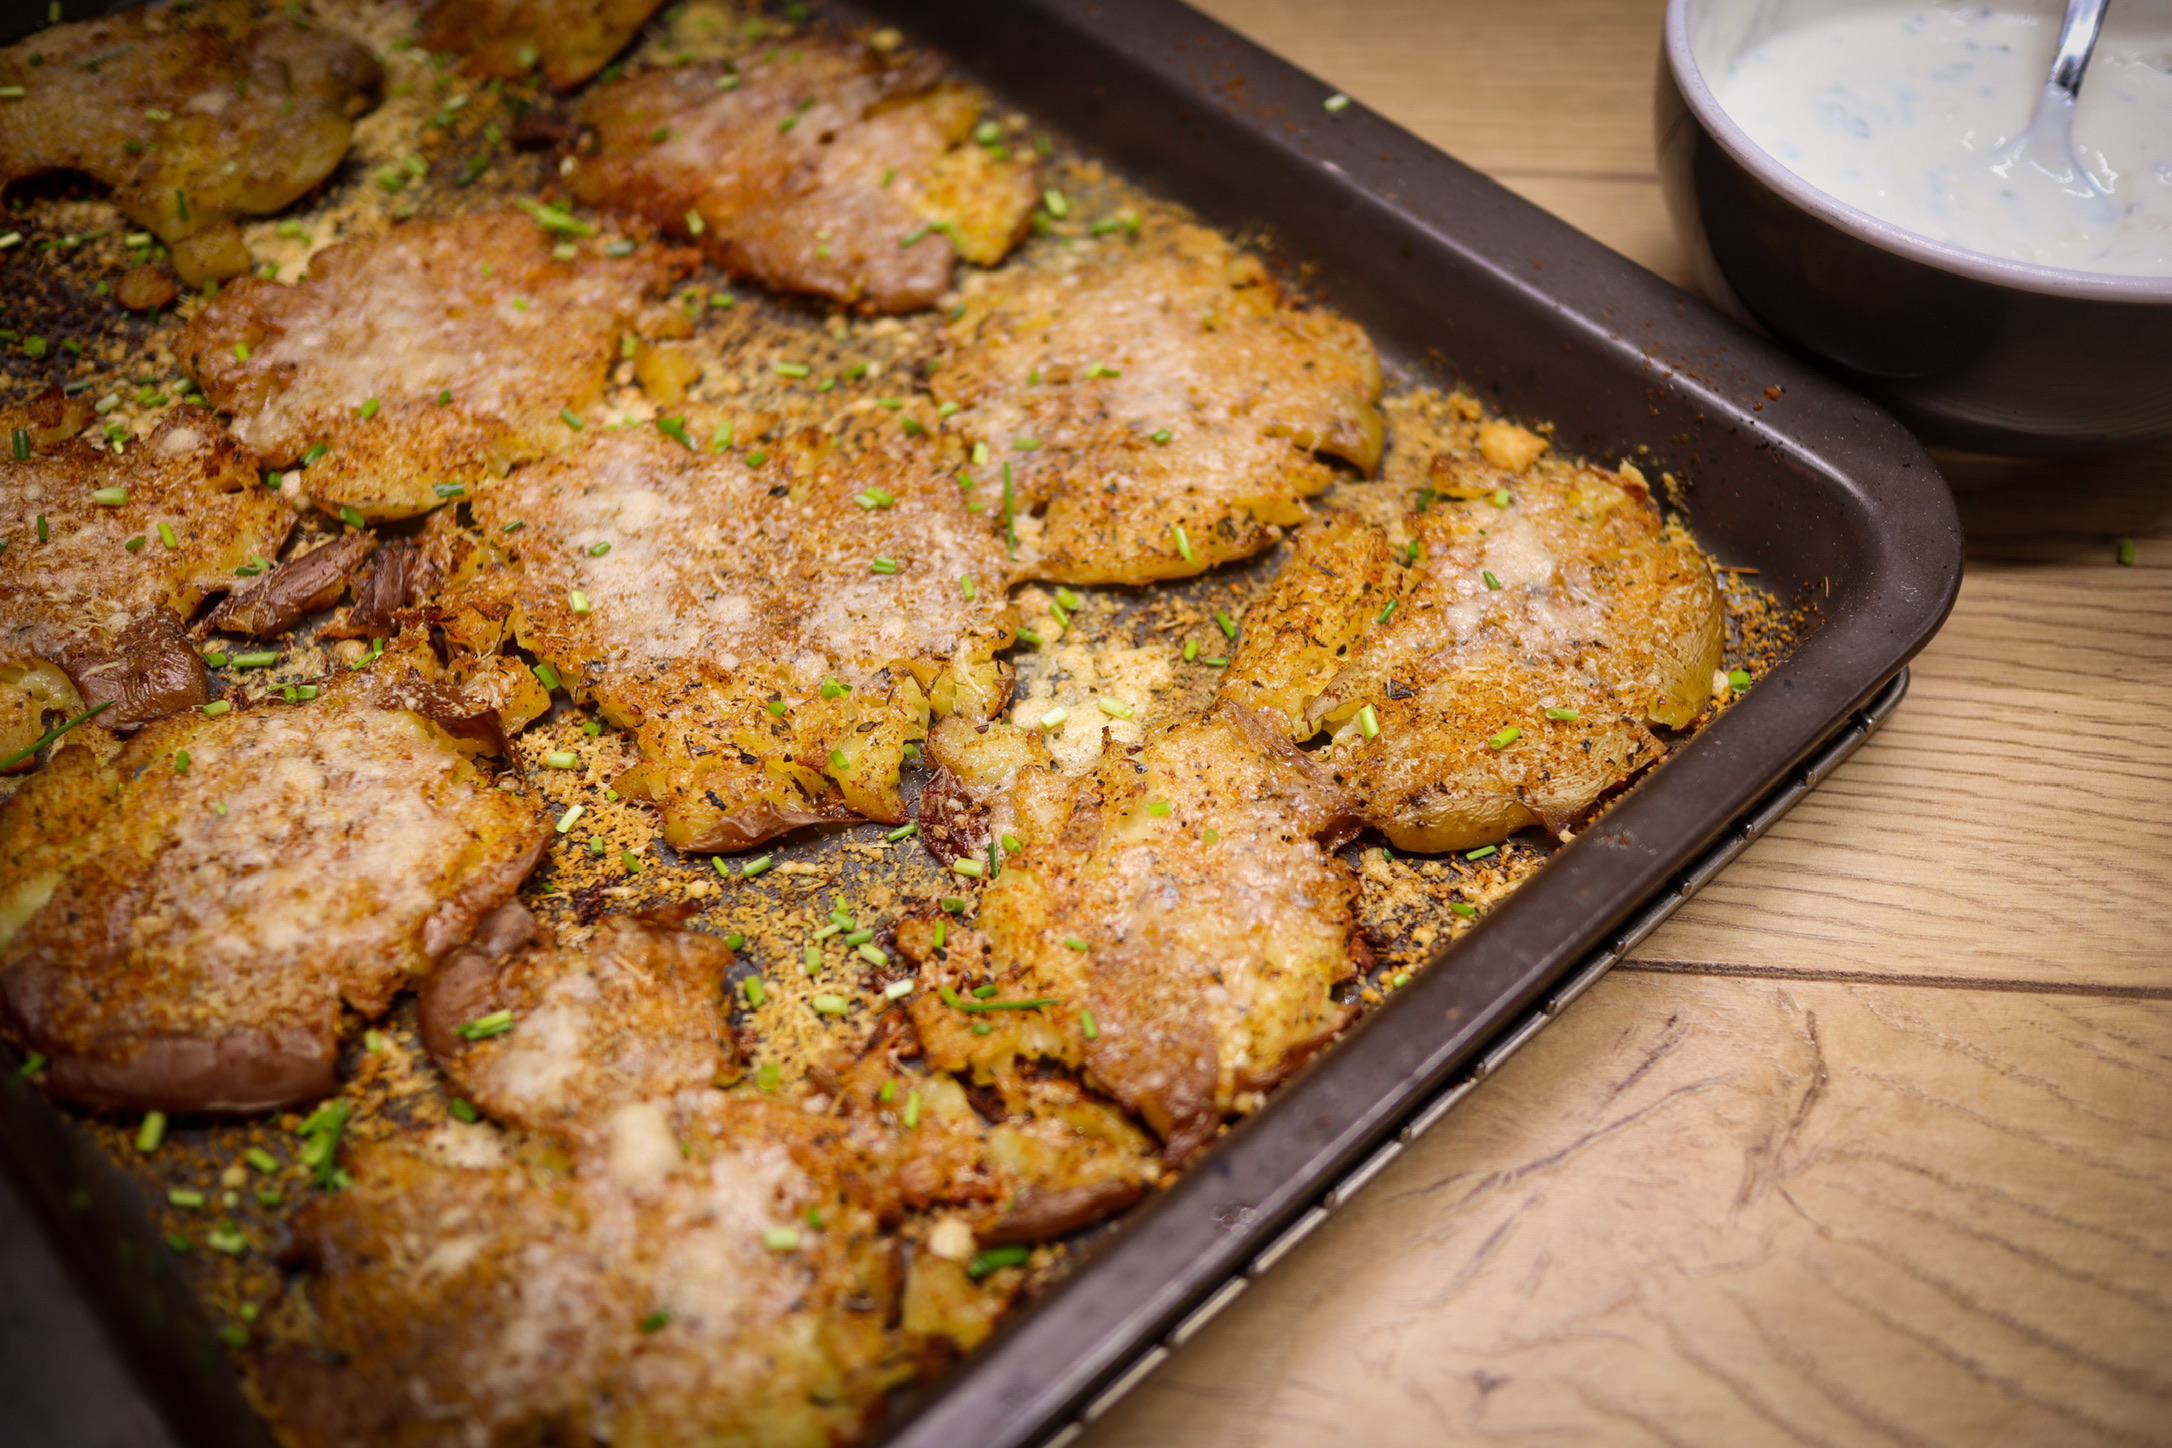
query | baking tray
[1457, 280]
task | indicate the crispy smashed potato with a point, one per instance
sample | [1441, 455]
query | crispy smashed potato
[412, 365]
[1158, 402]
[569, 39]
[194, 117]
[674, 1289]
[1180, 899]
[819, 167]
[131, 544]
[1496, 663]
[635, 1013]
[186, 914]
[773, 636]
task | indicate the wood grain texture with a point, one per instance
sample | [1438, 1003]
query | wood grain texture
[1872, 1144]
[1738, 1212]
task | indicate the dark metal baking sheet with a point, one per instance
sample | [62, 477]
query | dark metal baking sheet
[1457, 280]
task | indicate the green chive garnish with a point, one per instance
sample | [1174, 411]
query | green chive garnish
[1183, 542]
[1491, 581]
[902, 832]
[1506, 737]
[1483, 852]
[497, 1023]
[152, 1132]
[1369, 722]
[1738, 679]
[566, 416]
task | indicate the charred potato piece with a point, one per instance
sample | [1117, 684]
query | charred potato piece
[274, 602]
[193, 117]
[555, 1039]
[1214, 927]
[773, 638]
[818, 168]
[429, 358]
[569, 39]
[188, 913]
[1158, 401]
[109, 554]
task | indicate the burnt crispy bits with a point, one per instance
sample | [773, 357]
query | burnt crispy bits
[569, 39]
[555, 1039]
[816, 167]
[1180, 918]
[675, 1288]
[345, 372]
[186, 914]
[194, 117]
[275, 601]
[1496, 661]
[773, 637]
[1156, 401]
[109, 554]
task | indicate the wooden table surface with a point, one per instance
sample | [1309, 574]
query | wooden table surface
[1873, 1143]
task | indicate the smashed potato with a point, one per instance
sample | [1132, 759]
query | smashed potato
[189, 913]
[413, 365]
[193, 116]
[773, 637]
[108, 555]
[1157, 402]
[821, 167]
[569, 39]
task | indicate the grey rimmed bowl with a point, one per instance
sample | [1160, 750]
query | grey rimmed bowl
[1971, 351]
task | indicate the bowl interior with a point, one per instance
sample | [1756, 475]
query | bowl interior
[1705, 38]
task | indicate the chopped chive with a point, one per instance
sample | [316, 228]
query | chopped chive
[571, 817]
[497, 1023]
[897, 990]
[1059, 206]
[792, 369]
[1115, 708]
[695, 226]
[873, 498]
[675, 428]
[965, 586]
[152, 1132]
[213, 709]
[883, 565]
[316, 450]
[752, 988]
[577, 601]
[368, 409]
[1160, 434]
[110, 497]
[1400, 979]
[135, 544]
[969, 867]
[810, 959]
[1183, 541]
[1413, 551]
[180, 761]
[902, 832]
[1369, 722]
[1159, 808]
[831, 1005]
[2126, 545]
[778, 708]
[756, 459]
[1028, 636]
[656, 1321]
[766, 1076]
[1335, 103]
[1500, 497]
[22, 445]
[831, 689]
[597, 550]
[996, 1258]
[1738, 679]
[1385, 613]
[1086, 1025]
[1054, 718]
[1026, 444]
[351, 516]
[463, 1110]
[1563, 716]
[1191, 650]
[1483, 852]
[566, 416]
[261, 1159]
[1468, 912]
[838, 762]
[562, 759]
[951, 905]
[1491, 581]
[912, 1109]
[166, 535]
[1505, 738]
[757, 866]
[872, 954]
[1228, 625]
[263, 660]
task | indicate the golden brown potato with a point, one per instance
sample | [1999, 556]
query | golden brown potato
[635, 1013]
[413, 365]
[745, 623]
[570, 39]
[1214, 927]
[675, 1289]
[816, 167]
[1512, 664]
[1157, 402]
[185, 915]
[103, 593]
[193, 117]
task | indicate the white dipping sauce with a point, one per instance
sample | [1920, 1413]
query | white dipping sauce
[1902, 110]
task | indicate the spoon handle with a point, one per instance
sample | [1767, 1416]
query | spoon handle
[2077, 38]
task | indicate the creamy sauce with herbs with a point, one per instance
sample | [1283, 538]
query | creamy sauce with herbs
[1906, 110]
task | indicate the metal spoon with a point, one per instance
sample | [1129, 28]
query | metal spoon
[2048, 143]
